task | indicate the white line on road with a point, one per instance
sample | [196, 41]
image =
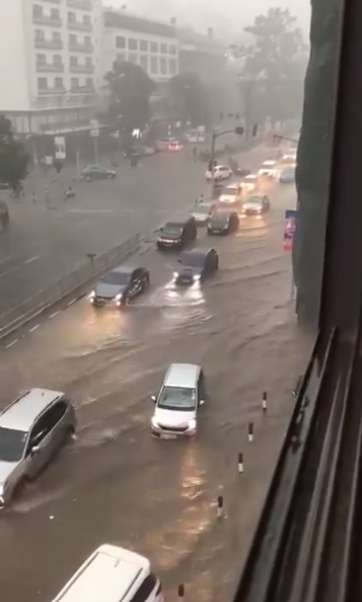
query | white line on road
[31, 259]
[81, 211]
[34, 328]
[53, 315]
[11, 344]
[71, 302]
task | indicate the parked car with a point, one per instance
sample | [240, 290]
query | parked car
[120, 285]
[196, 265]
[97, 172]
[32, 429]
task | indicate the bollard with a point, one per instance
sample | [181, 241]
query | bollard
[251, 433]
[264, 401]
[240, 463]
[181, 591]
[220, 506]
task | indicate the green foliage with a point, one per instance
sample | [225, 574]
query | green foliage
[130, 89]
[276, 64]
[188, 99]
[14, 159]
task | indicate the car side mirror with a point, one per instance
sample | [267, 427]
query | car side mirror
[35, 450]
[202, 402]
[153, 398]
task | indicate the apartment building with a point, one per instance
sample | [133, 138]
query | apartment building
[151, 44]
[49, 64]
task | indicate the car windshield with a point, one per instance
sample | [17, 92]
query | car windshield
[177, 398]
[196, 260]
[202, 209]
[254, 200]
[120, 278]
[171, 229]
[220, 217]
[12, 443]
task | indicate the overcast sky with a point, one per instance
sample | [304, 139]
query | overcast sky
[203, 13]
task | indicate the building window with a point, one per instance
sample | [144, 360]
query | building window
[87, 41]
[71, 18]
[37, 10]
[121, 57]
[154, 47]
[74, 83]
[72, 38]
[87, 20]
[132, 57]
[163, 48]
[39, 34]
[89, 82]
[57, 59]
[163, 66]
[40, 59]
[144, 45]
[132, 44]
[154, 64]
[144, 62]
[42, 83]
[173, 49]
[73, 61]
[89, 61]
[56, 36]
[172, 67]
[58, 83]
[120, 42]
[55, 14]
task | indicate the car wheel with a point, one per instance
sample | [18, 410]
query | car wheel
[217, 264]
[146, 283]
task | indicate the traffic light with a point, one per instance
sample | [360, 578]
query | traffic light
[240, 130]
[254, 130]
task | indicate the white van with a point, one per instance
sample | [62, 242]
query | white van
[113, 574]
[178, 402]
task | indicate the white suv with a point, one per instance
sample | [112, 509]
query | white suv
[268, 169]
[221, 172]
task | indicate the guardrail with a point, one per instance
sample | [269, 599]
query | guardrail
[71, 283]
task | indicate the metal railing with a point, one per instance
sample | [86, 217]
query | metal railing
[71, 283]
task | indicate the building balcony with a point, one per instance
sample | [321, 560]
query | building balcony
[53, 1]
[81, 68]
[81, 4]
[49, 68]
[49, 44]
[80, 26]
[55, 92]
[59, 98]
[83, 90]
[76, 47]
[47, 20]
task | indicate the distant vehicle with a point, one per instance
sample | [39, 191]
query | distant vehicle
[120, 285]
[221, 172]
[32, 429]
[97, 172]
[250, 183]
[287, 175]
[223, 222]
[268, 169]
[196, 265]
[231, 194]
[177, 234]
[256, 205]
[290, 158]
[177, 403]
[113, 573]
[202, 212]
[4, 216]
[174, 146]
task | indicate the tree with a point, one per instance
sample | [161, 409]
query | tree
[14, 159]
[188, 100]
[274, 66]
[130, 90]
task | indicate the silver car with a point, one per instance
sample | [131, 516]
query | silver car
[32, 429]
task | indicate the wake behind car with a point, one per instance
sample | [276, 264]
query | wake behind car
[223, 222]
[196, 265]
[287, 175]
[177, 234]
[256, 205]
[268, 169]
[120, 285]
[220, 172]
[97, 172]
[203, 211]
[32, 429]
[182, 393]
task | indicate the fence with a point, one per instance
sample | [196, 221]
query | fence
[69, 284]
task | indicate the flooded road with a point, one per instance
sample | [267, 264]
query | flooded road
[115, 484]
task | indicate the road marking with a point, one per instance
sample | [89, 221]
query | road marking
[11, 344]
[53, 315]
[82, 211]
[71, 302]
[34, 328]
[31, 259]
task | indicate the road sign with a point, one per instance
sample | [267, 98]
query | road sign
[289, 228]
[94, 125]
[59, 148]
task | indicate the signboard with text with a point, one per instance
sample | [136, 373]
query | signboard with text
[290, 224]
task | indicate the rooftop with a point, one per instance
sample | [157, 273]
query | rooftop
[21, 414]
[122, 19]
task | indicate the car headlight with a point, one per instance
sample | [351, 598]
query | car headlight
[192, 425]
[154, 422]
[197, 277]
[119, 297]
[92, 295]
[175, 274]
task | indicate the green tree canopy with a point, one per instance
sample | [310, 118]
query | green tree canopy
[188, 99]
[130, 89]
[14, 159]
[275, 63]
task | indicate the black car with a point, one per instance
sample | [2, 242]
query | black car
[97, 172]
[196, 265]
[223, 222]
[120, 286]
[256, 204]
[177, 234]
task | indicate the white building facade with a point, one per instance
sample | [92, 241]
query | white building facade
[151, 44]
[49, 63]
